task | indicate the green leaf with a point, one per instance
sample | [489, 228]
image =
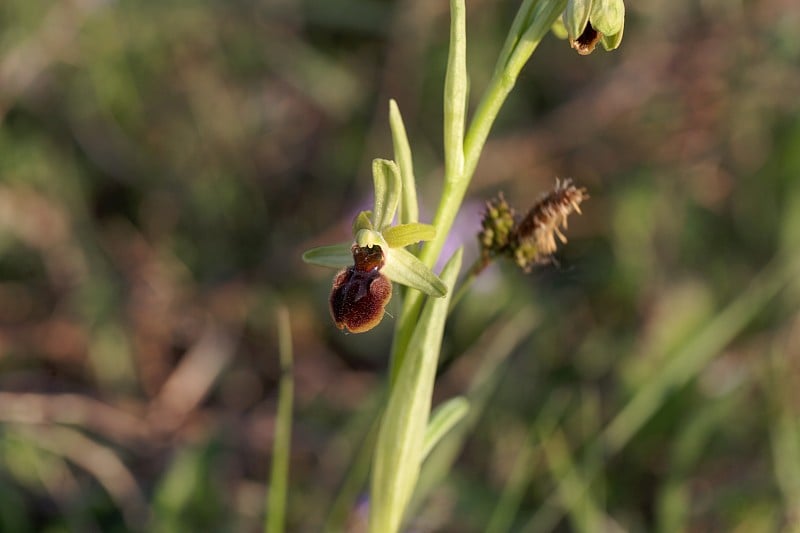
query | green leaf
[334, 256]
[386, 177]
[608, 16]
[405, 234]
[404, 268]
[401, 438]
[443, 418]
[576, 17]
[409, 209]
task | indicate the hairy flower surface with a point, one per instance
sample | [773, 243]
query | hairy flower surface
[375, 257]
[532, 240]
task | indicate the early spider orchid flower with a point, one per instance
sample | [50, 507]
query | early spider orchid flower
[376, 257]
[588, 22]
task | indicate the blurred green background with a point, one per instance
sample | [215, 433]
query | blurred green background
[164, 164]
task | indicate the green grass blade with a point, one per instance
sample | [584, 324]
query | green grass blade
[275, 519]
[525, 464]
[401, 437]
[697, 353]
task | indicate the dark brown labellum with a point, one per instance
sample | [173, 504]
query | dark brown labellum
[586, 41]
[360, 292]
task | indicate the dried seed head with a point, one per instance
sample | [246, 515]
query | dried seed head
[534, 237]
[496, 227]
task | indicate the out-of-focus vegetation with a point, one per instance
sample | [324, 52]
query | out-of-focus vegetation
[162, 165]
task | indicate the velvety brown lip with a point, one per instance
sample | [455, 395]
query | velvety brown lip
[360, 293]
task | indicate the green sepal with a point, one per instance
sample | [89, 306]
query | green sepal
[608, 16]
[404, 268]
[362, 221]
[559, 30]
[576, 16]
[612, 42]
[386, 177]
[405, 234]
[333, 256]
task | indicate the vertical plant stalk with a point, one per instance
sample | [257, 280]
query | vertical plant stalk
[275, 519]
[531, 24]
[455, 108]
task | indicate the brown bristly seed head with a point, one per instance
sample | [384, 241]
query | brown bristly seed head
[535, 234]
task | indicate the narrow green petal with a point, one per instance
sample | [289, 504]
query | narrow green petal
[576, 16]
[404, 268]
[409, 210]
[405, 234]
[362, 221]
[334, 256]
[386, 177]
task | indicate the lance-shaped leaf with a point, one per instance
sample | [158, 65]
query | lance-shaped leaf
[442, 420]
[403, 267]
[576, 16]
[334, 256]
[386, 177]
[405, 234]
[409, 210]
[401, 437]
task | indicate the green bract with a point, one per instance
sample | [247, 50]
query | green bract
[373, 228]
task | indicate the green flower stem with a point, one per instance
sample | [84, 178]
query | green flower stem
[541, 16]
